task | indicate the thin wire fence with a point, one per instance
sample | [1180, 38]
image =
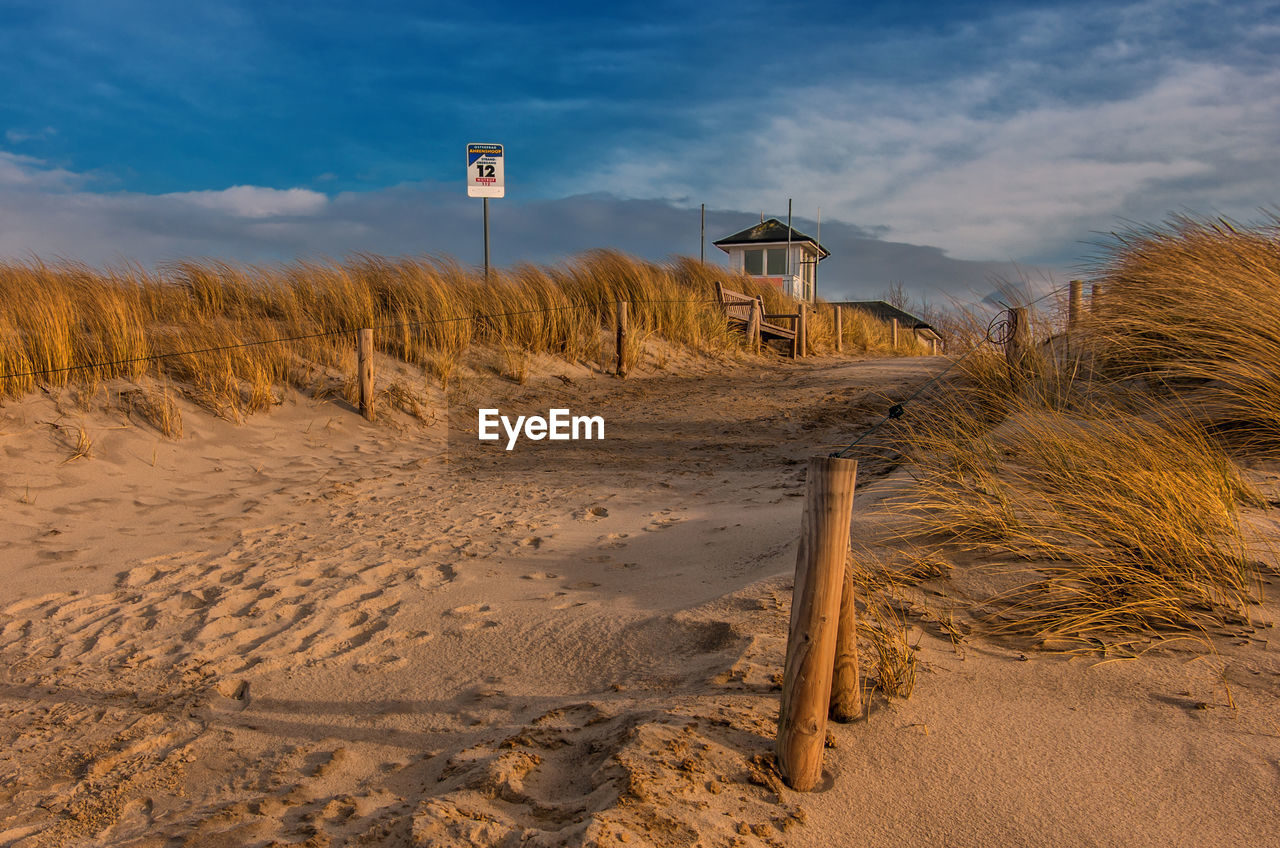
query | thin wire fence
[156, 357]
[997, 333]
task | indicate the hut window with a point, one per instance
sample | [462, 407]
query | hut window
[753, 262]
[777, 260]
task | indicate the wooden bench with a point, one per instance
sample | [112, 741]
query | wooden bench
[748, 312]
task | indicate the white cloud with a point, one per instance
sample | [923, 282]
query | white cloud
[22, 173]
[20, 136]
[255, 201]
[942, 166]
[44, 212]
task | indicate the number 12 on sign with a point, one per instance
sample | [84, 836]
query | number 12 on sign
[485, 176]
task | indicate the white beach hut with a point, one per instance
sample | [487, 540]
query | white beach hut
[762, 252]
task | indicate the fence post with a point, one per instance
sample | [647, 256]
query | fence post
[364, 371]
[895, 335]
[846, 694]
[753, 326]
[1095, 297]
[622, 337]
[802, 331]
[815, 612]
[1015, 348]
[1075, 305]
[839, 329]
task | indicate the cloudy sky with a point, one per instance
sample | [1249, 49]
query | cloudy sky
[947, 144]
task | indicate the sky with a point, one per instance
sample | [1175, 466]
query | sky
[950, 146]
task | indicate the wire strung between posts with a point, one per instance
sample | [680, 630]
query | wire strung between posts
[998, 333]
[156, 357]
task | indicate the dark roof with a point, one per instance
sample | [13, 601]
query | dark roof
[887, 312]
[770, 231]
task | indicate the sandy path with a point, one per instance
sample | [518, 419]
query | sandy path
[307, 626]
[310, 630]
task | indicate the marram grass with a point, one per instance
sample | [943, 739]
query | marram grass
[1100, 477]
[192, 327]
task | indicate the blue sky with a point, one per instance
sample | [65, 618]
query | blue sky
[946, 143]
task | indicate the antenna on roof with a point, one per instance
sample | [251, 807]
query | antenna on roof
[791, 283]
[818, 257]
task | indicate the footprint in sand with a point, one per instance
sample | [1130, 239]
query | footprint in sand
[471, 615]
[569, 605]
[612, 540]
[662, 522]
[539, 575]
[469, 610]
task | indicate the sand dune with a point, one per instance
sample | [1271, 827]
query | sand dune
[308, 629]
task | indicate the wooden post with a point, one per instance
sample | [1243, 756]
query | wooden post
[1015, 348]
[815, 615]
[846, 693]
[753, 325]
[622, 337]
[839, 318]
[1075, 305]
[895, 334]
[364, 371]
[802, 331]
[1095, 298]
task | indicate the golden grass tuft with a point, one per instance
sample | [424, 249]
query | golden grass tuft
[895, 659]
[157, 406]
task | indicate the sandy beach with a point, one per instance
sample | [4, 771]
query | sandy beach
[308, 629]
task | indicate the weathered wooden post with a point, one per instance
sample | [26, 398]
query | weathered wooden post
[815, 615]
[895, 334]
[622, 338]
[1015, 347]
[839, 318]
[753, 325]
[1095, 297]
[802, 331]
[846, 693]
[364, 371]
[1075, 304]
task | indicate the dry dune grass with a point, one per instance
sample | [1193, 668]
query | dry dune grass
[1127, 527]
[82, 326]
[1099, 479]
[862, 334]
[1193, 308]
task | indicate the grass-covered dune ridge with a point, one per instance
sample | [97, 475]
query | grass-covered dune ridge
[1100, 482]
[77, 325]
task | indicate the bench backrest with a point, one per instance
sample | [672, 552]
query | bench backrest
[737, 304]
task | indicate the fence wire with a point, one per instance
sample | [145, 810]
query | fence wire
[997, 333]
[156, 357]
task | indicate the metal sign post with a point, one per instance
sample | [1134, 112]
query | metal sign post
[486, 177]
[702, 238]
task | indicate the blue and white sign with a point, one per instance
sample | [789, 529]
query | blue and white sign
[484, 171]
